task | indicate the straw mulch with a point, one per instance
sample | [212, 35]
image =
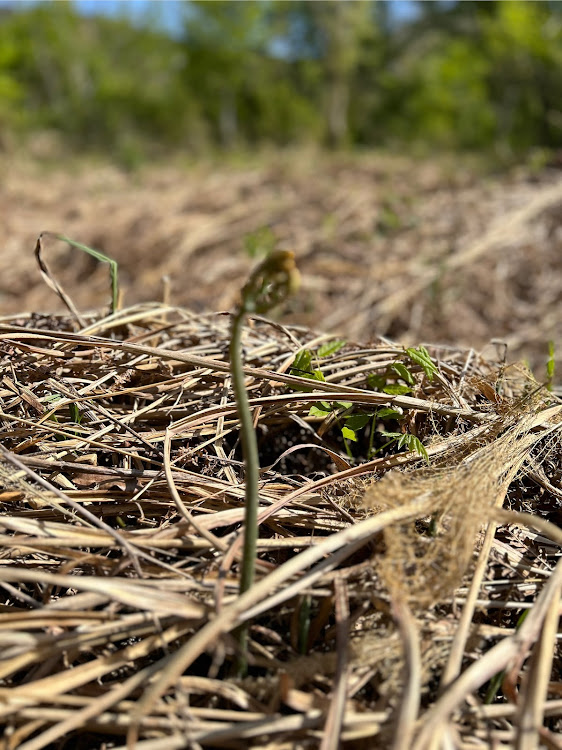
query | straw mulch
[390, 590]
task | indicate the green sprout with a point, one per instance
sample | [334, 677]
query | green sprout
[91, 251]
[422, 358]
[273, 280]
[408, 441]
[103, 259]
[259, 243]
[352, 419]
[550, 365]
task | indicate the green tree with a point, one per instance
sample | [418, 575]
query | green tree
[475, 75]
[524, 44]
[12, 92]
[98, 81]
[461, 75]
[224, 42]
[329, 38]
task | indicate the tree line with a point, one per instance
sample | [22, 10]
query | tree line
[466, 75]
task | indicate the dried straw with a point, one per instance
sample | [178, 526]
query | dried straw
[122, 502]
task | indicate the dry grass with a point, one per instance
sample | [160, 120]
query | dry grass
[429, 251]
[388, 590]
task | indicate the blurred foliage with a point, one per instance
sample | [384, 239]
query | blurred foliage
[461, 75]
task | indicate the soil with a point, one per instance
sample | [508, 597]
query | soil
[417, 251]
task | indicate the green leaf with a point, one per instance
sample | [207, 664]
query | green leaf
[396, 389]
[75, 414]
[387, 413]
[410, 442]
[402, 440]
[52, 398]
[376, 382]
[315, 411]
[302, 367]
[416, 445]
[422, 358]
[401, 370]
[103, 259]
[551, 362]
[302, 363]
[330, 347]
[357, 421]
[348, 434]
[343, 405]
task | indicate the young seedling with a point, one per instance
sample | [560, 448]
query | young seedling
[351, 419]
[550, 365]
[260, 243]
[273, 280]
[78, 246]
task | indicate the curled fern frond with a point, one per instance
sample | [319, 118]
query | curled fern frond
[275, 279]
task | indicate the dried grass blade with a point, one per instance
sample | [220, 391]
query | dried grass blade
[51, 281]
[150, 599]
[94, 708]
[499, 657]
[535, 686]
[456, 652]
[409, 708]
[46, 688]
[340, 462]
[208, 535]
[134, 554]
[334, 722]
[258, 598]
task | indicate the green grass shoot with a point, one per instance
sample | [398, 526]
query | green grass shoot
[113, 267]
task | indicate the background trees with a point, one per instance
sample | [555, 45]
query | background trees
[460, 75]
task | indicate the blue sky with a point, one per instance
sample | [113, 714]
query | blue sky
[168, 12]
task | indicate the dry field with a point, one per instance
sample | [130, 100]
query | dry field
[408, 588]
[417, 252]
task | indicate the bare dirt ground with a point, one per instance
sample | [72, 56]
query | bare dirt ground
[416, 251]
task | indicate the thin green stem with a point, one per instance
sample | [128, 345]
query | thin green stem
[269, 284]
[250, 452]
[251, 463]
[370, 453]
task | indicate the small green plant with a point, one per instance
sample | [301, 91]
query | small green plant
[75, 415]
[422, 358]
[259, 243]
[550, 365]
[274, 279]
[113, 268]
[350, 418]
[302, 367]
[405, 440]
